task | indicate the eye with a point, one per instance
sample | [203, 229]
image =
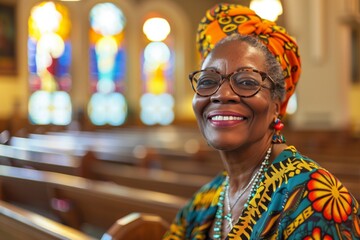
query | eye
[245, 81]
[206, 80]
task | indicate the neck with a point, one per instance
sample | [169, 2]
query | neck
[242, 163]
[226, 205]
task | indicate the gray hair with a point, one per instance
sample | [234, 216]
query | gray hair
[273, 68]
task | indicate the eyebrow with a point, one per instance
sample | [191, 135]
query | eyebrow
[238, 69]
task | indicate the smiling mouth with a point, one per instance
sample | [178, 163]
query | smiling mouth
[226, 118]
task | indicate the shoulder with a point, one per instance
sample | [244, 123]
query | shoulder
[291, 167]
[313, 199]
[205, 197]
[199, 211]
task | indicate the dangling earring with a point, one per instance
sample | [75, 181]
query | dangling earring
[278, 137]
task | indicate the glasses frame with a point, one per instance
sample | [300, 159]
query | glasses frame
[224, 77]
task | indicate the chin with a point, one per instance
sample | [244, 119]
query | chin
[222, 146]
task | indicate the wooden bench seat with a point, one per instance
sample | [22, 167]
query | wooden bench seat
[19, 224]
[78, 201]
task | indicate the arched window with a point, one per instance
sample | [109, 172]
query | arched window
[49, 58]
[107, 65]
[157, 99]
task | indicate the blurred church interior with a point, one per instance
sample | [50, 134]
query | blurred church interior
[97, 92]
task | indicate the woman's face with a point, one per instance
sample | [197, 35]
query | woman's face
[244, 121]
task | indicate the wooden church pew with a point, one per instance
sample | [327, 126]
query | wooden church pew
[65, 163]
[173, 142]
[102, 204]
[322, 147]
[19, 224]
[163, 138]
[338, 143]
[26, 188]
[170, 160]
[345, 167]
[333, 143]
[181, 184]
[78, 201]
[28, 157]
[110, 148]
[137, 226]
[72, 146]
[321, 142]
[180, 177]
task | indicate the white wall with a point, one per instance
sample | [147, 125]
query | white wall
[324, 87]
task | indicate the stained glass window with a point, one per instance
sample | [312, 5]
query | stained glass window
[292, 105]
[107, 104]
[157, 101]
[49, 59]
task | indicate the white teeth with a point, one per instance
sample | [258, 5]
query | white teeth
[226, 118]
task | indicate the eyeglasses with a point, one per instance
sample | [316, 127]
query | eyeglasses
[245, 82]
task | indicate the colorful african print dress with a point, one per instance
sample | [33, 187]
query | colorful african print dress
[297, 199]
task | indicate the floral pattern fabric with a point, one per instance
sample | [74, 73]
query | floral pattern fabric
[297, 199]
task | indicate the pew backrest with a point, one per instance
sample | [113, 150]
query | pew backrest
[83, 200]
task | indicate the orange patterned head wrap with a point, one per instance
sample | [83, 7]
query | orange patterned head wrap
[225, 19]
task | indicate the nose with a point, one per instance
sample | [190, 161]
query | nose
[225, 94]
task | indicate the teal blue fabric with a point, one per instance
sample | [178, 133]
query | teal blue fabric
[297, 199]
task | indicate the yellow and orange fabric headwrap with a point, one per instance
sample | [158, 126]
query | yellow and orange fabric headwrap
[225, 19]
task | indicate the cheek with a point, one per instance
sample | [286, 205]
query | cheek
[263, 107]
[198, 104]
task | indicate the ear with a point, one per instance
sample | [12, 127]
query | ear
[276, 106]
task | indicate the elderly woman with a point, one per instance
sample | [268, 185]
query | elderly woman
[268, 190]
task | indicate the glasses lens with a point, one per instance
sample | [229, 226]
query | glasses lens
[246, 83]
[206, 82]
